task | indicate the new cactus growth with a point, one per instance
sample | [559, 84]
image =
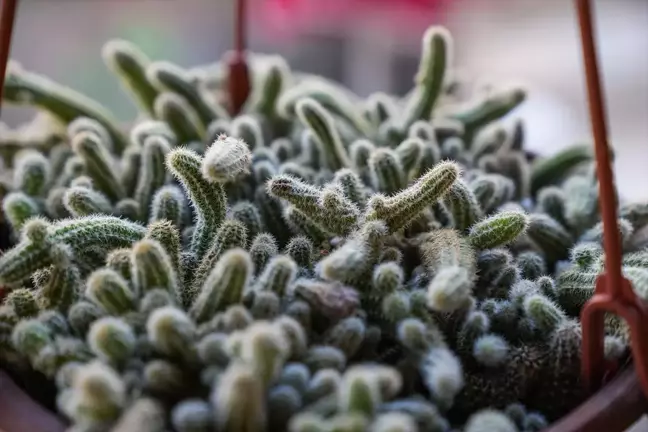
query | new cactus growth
[316, 263]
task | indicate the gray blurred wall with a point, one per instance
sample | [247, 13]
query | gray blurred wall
[531, 42]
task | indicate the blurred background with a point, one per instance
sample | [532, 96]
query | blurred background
[372, 45]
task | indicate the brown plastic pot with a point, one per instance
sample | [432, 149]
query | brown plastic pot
[616, 407]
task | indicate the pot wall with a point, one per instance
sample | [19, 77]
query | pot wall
[20, 413]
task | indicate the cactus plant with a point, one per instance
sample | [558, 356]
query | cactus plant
[318, 262]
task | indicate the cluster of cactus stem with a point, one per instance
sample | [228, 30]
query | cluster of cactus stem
[316, 263]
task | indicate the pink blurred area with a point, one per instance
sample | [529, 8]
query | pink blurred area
[288, 18]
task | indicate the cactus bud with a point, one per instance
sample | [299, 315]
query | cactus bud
[239, 400]
[112, 340]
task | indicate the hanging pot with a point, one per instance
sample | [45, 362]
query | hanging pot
[615, 407]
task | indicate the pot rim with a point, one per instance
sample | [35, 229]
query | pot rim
[614, 407]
